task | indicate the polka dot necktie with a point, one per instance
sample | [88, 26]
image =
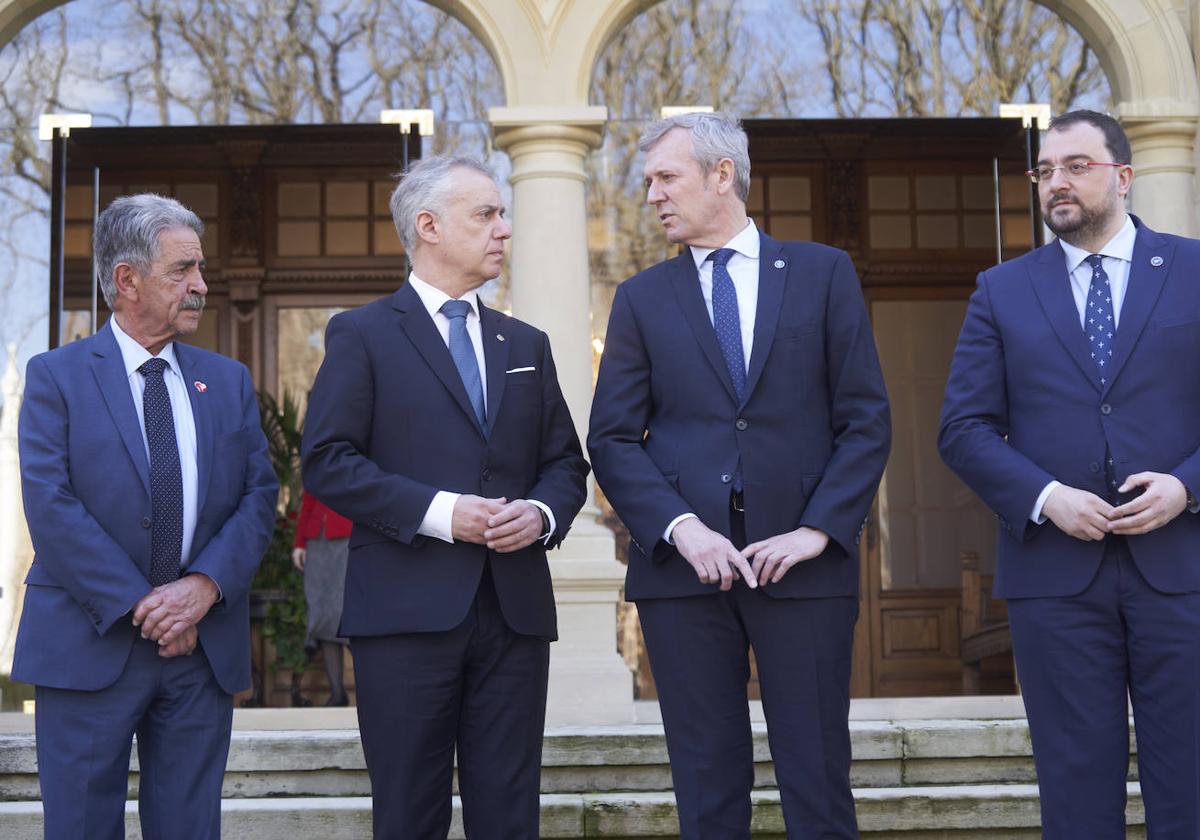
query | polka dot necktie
[728, 324]
[1100, 325]
[463, 353]
[727, 321]
[166, 478]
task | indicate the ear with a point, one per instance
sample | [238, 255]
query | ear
[725, 174]
[1124, 180]
[428, 227]
[126, 280]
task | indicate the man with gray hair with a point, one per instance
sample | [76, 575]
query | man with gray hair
[437, 426]
[739, 429]
[150, 499]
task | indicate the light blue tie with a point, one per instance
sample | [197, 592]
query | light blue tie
[463, 353]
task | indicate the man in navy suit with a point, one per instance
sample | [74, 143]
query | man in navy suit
[739, 429]
[150, 499]
[437, 425]
[1071, 409]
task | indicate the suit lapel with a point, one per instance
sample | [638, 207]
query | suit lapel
[109, 369]
[771, 282]
[1142, 290]
[201, 416]
[687, 289]
[1052, 285]
[421, 331]
[495, 357]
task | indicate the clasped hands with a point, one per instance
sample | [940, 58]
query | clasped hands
[501, 525]
[168, 614]
[1086, 516]
[715, 560]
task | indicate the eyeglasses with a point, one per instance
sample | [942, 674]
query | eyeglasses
[1073, 170]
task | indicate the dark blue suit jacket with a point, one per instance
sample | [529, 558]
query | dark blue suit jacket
[813, 434]
[389, 424]
[86, 485]
[1024, 406]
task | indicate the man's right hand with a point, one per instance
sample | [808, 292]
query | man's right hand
[471, 515]
[712, 556]
[1078, 513]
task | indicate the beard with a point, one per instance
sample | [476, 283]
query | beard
[1085, 223]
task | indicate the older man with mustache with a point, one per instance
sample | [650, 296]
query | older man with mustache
[150, 499]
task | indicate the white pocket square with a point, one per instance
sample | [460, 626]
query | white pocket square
[520, 370]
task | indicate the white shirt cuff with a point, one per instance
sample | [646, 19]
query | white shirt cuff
[545, 538]
[1037, 516]
[439, 519]
[671, 528]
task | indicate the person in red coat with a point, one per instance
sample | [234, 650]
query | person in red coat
[320, 550]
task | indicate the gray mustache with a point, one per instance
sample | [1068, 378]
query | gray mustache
[193, 302]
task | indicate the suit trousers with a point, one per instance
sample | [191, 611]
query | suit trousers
[698, 649]
[1079, 659]
[479, 688]
[182, 720]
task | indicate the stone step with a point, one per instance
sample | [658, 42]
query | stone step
[329, 763]
[979, 812]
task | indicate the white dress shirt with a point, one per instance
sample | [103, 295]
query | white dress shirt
[439, 518]
[1116, 258]
[743, 270]
[134, 356]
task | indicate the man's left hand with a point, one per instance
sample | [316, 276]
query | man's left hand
[774, 556]
[517, 525]
[1163, 499]
[169, 610]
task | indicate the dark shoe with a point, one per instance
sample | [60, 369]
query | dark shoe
[338, 700]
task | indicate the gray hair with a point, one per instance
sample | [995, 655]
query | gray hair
[127, 231]
[715, 136]
[425, 185]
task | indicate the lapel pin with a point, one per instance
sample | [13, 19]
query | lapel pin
[499, 337]
[1156, 261]
[780, 263]
[200, 386]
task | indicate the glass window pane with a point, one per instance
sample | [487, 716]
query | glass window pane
[79, 202]
[891, 232]
[211, 241]
[201, 199]
[979, 231]
[1014, 192]
[937, 231]
[887, 192]
[791, 194]
[387, 243]
[78, 240]
[346, 239]
[299, 239]
[301, 349]
[1018, 231]
[977, 193]
[346, 198]
[299, 199]
[791, 227]
[755, 201]
[936, 192]
[383, 193]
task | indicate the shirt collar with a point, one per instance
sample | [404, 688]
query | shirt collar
[433, 297]
[745, 243]
[1120, 247]
[135, 355]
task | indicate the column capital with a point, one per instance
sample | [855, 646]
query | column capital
[1162, 144]
[548, 142]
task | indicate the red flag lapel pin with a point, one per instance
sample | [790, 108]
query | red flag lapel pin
[200, 386]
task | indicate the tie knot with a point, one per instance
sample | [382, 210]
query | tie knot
[722, 256]
[153, 367]
[455, 309]
[1096, 261]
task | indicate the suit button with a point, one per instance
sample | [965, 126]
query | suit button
[487, 474]
[1094, 467]
[741, 425]
[726, 478]
[145, 521]
[1106, 409]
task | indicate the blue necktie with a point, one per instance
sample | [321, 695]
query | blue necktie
[166, 477]
[726, 320]
[463, 353]
[728, 324]
[1100, 325]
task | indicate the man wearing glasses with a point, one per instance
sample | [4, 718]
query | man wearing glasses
[1072, 409]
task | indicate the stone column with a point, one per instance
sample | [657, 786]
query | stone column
[16, 551]
[1163, 193]
[589, 681]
